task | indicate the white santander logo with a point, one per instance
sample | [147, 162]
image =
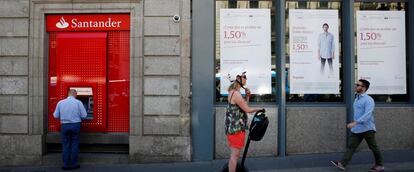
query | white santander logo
[62, 24]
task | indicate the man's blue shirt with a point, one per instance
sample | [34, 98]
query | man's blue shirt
[70, 110]
[326, 45]
[363, 113]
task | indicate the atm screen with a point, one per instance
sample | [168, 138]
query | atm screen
[88, 104]
[85, 95]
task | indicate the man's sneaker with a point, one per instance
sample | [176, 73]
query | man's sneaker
[377, 168]
[338, 164]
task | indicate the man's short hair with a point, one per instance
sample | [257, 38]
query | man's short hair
[365, 82]
[72, 91]
[325, 24]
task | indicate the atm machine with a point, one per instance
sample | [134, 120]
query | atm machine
[78, 60]
[95, 61]
[85, 95]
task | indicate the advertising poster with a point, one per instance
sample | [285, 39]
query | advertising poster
[314, 52]
[381, 51]
[245, 37]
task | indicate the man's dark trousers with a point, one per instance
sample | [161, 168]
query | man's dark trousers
[323, 61]
[70, 144]
[354, 142]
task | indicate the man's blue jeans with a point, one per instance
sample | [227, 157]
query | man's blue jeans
[70, 143]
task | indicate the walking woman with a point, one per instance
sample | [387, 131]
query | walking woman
[236, 118]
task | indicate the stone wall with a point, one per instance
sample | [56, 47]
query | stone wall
[323, 129]
[315, 130]
[20, 145]
[395, 129]
[165, 132]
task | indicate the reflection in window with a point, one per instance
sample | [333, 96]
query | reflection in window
[323, 5]
[312, 97]
[254, 4]
[263, 4]
[303, 5]
[383, 6]
[232, 4]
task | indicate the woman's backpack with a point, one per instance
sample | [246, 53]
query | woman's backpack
[258, 125]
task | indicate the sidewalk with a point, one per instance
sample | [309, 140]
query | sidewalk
[395, 161]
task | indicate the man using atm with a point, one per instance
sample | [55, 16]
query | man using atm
[70, 111]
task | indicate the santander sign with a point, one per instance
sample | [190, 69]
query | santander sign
[87, 22]
[62, 24]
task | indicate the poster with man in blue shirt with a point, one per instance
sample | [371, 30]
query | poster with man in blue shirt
[362, 127]
[70, 111]
[326, 48]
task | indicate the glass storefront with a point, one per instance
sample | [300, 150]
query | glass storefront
[294, 97]
[291, 97]
[264, 4]
[384, 6]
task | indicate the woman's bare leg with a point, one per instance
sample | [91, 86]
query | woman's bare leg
[234, 156]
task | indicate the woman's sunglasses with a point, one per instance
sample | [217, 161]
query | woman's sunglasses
[359, 85]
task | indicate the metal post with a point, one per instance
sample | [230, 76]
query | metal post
[281, 74]
[245, 151]
[348, 57]
[202, 70]
[410, 46]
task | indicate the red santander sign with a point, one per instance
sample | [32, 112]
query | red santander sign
[87, 22]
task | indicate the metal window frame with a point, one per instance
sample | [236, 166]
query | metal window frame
[381, 1]
[202, 79]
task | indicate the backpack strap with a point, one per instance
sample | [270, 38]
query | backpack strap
[231, 96]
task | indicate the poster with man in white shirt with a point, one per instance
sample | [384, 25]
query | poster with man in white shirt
[314, 51]
[326, 48]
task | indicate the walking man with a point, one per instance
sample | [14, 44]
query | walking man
[362, 127]
[70, 111]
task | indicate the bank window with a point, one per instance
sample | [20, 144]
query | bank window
[306, 43]
[244, 4]
[389, 81]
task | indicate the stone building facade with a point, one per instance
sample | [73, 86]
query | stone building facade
[159, 75]
[172, 112]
